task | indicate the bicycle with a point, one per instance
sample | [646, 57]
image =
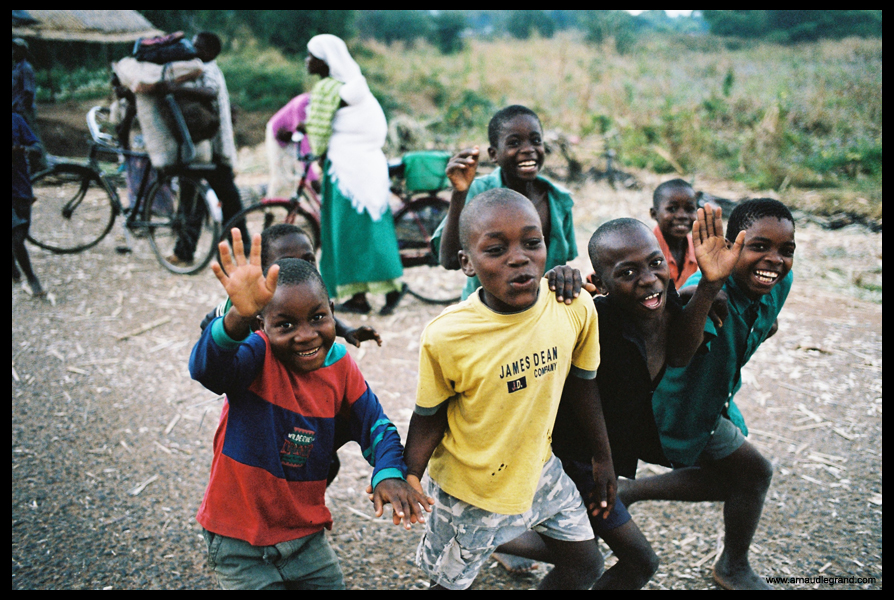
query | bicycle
[575, 170]
[76, 204]
[415, 220]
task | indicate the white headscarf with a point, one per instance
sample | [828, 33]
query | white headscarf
[332, 50]
[358, 164]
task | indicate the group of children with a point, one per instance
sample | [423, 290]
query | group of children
[532, 396]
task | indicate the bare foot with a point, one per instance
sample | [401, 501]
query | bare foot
[740, 577]
[514, 564]
[36, 290]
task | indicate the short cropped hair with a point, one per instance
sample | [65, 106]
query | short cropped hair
[666, 187]
[210, 41]
[619, 226]
[295, 271]
[472, 210]
[274, 233]
[754, 209]
[503, 116]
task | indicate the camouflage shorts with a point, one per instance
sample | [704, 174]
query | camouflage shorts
[460, 537]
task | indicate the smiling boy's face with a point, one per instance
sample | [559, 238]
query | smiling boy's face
[506, 250]
[519, 151]
[767, 256]
[676, 213]
[633, 272]
[298, 322]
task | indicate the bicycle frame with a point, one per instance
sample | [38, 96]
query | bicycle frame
[104, 143]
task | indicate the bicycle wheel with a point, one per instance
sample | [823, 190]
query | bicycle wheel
[73, 209]
[414, 225]
[268, 212]
[182, 231]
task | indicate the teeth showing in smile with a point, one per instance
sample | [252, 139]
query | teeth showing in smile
[766, 276]
[528, 164]
[308, 353]
[652, 301]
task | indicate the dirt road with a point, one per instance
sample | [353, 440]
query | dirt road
[111, 440]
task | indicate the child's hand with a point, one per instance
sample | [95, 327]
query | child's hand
[719, 309]
[566, 282]
[362, 334]
[249, 291]
[412, 481]
[715, 256]
[409, 505]
[602, 498]
[462, 168]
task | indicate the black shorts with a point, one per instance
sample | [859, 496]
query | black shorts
[581, 474]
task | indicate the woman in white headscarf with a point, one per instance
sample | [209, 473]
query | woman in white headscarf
[345, 123]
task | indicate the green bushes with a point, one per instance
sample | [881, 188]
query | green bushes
[263, 79]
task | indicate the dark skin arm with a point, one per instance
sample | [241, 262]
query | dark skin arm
[423, 436]
[461, 172]
[586, 405]
[716, 259]
[246, 285]
[356, 335]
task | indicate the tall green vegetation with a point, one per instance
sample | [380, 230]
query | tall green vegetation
[795, 25]
[770, 114]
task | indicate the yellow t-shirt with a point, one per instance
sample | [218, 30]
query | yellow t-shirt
[503, 376]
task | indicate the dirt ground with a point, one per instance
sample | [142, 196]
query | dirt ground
[111, 444]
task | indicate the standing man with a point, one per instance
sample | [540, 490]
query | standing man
[221, 179]
[23, 92]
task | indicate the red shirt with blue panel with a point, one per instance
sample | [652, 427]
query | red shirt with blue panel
[276, 437]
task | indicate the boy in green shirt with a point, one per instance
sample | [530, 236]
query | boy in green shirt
[701, 428]
[516, 145]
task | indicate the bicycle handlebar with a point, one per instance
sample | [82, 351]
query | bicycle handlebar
[96, 131]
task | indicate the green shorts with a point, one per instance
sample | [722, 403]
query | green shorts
[308, 563]
[725, 439]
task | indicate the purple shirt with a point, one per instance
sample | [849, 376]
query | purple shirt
[290, 116]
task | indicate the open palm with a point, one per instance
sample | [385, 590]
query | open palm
[716, 257]
[246, 285]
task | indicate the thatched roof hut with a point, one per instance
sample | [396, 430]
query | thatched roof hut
[108, 26]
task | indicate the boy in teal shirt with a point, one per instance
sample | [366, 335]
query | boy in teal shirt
[701, 428]
[516, 145]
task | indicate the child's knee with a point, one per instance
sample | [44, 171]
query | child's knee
[583, 557]
[765, 472]
[759, 473]
[641, 564]
[649, 565]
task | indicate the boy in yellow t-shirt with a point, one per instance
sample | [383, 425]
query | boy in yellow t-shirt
[491, 373]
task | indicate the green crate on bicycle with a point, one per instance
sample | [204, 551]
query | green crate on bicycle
[425, 171]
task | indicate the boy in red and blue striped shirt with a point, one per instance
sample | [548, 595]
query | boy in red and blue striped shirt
[287, 385]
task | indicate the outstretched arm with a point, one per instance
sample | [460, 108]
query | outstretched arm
[716, 258]
[461, 172]
[423, 436]
[246, 285]
[586, 406]
[355, 336]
